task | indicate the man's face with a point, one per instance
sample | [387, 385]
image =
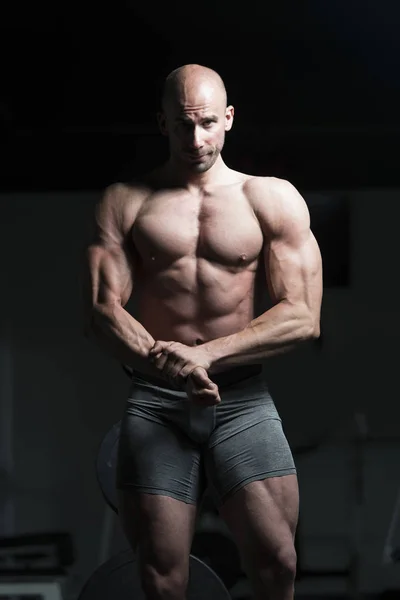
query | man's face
[195, 122]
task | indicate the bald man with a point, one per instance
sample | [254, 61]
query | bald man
[190, 238]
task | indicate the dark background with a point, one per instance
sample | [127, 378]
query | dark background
[315, 86]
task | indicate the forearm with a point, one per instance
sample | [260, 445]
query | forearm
[278, 330]
[123, 337]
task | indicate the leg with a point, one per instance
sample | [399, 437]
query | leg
[252, 477]
[265, 532]
[160, 530]
[159, 483]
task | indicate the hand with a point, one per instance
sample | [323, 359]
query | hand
[176, 361]
[186, 366]
[200, 389]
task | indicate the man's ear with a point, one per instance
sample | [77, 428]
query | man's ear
[229, 114]
[162, 122]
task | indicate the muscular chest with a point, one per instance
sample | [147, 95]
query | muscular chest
[213, 228]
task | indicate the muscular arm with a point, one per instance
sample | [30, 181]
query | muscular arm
[294, 277]
[108, 284]
[109, 280]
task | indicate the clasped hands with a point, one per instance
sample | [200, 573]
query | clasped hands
[186, 366]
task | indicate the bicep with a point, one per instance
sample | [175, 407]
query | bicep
[109, 275]
[294, 270]
[293, 259]
[108, 268]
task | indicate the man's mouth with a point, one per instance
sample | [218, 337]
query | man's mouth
[195, 156]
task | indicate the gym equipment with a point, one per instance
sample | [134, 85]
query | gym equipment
[220, 553]
[35, 565]
[45, 590]
[106, 466]
[127, 370]
[391, 549]
[118, 578]
[37, 554]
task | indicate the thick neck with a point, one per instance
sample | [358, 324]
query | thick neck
[195, 181]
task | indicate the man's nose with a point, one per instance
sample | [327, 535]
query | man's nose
[196, 139]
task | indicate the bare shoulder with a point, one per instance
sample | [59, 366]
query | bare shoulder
[119, 205]
[277, 204]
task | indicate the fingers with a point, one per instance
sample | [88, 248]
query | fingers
[206, 397]
[175, 371]
[200, 378]
[171, 368]
[168, 366]
[203, 389]
[158, 347]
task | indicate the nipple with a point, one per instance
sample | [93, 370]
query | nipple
[243, 257]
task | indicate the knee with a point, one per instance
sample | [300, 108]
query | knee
[164, 583]
[280, 569]
[285, 563]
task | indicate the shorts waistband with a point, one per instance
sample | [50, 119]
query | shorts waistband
[223, 379]
[235, 375]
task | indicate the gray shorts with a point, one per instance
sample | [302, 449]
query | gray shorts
[171, 446]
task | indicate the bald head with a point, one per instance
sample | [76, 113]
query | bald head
[195, 117]
[191, 81]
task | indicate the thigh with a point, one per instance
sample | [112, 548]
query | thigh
[262, 517]
[159, 528]
[154, 457]
[254, 484]
[253, 448]
[159, 482]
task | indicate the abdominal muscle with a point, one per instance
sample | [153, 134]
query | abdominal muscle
[193, 306]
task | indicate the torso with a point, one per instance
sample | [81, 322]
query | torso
[198, 260]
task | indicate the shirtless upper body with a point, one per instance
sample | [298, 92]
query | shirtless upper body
[192, 247]
[197, 258]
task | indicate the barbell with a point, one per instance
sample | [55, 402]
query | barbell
[119, 579]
